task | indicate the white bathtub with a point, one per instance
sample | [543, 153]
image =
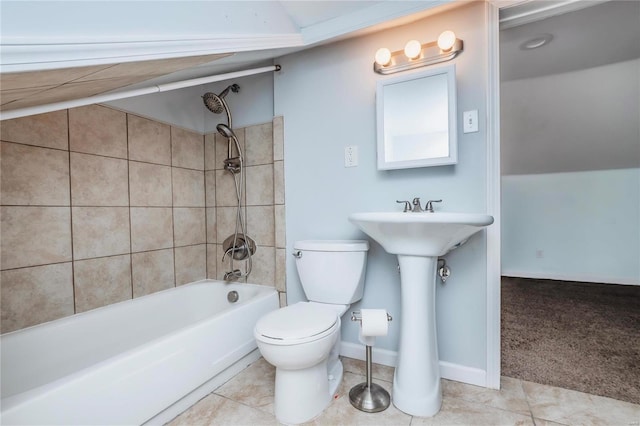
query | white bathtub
[143, 360]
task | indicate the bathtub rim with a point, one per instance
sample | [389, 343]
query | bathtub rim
[78, 315]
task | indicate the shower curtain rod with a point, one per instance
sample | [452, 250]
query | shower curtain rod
[56, 106]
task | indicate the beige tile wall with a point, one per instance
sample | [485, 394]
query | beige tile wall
[263, 202]
[99, 206]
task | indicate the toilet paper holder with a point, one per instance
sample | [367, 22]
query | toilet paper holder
[368, 396]
[356, 316]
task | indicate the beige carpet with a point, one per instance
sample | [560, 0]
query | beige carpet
[579, 336]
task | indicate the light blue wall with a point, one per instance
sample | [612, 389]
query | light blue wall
[327, 98]
[184, 107]
[585, 224]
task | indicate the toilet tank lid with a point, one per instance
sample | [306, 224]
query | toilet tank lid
[332, 245]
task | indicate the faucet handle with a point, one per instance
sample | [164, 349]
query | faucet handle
[429, 206]
[407, 205]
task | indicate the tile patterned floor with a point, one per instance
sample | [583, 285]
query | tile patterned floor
[247, 399]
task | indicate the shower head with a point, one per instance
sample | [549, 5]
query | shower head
[233, 164]
[215, 103]
[225, 131]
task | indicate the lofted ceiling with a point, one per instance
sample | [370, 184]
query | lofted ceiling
[572, 105]
[58, 51]
[589, 34]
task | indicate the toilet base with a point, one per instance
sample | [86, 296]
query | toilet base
[301, 395]
[336, 371]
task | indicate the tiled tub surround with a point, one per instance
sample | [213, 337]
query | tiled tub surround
[119, 365]
[101, 206]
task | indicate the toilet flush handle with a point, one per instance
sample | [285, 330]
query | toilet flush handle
[297, 254]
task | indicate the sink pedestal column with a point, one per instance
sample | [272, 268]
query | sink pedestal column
[416, 383]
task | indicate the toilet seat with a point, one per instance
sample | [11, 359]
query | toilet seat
[296, 324]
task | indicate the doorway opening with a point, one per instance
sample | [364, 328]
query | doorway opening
[570, 197]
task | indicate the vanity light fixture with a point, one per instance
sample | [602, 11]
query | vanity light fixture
[416, 55]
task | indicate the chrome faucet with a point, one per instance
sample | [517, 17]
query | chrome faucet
[416, 205]
[417, 208]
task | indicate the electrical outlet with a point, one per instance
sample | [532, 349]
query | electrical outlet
[350, 156]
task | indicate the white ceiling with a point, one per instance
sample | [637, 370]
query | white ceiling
[603, 33]
[309, 13]
[48, 49]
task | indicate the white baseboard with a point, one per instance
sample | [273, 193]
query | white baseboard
[462, 373]
[566, 277]
[379, 356]
[448, 370]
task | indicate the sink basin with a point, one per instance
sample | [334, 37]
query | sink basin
[418, 239]
[420, 234]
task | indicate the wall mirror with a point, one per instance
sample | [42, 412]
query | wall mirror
[416, 119]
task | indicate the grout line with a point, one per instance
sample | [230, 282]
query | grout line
[206, 202]
[71, 206]
[40, 146]
[173, 225]
[103, 257]
[526, 399]
[242, 403]
[150, 163]
[73, 271]
[126, 119]
[99, 155]
[39, 265]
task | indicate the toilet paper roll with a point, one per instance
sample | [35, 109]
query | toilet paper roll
[374, 322]
[366, 340]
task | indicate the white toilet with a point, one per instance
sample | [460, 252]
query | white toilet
[302, 340]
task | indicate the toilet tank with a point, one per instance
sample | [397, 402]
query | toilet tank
[332, 271]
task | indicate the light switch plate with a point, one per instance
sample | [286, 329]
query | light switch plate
[470, 121]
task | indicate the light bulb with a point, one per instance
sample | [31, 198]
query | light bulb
[446, 40]
[412, 49]
[383, 56]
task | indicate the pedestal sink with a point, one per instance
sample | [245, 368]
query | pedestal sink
[418, 239]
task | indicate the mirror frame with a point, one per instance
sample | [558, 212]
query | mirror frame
[452, 158]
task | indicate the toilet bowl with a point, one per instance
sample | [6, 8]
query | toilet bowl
[302, 340]
[298, 340]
